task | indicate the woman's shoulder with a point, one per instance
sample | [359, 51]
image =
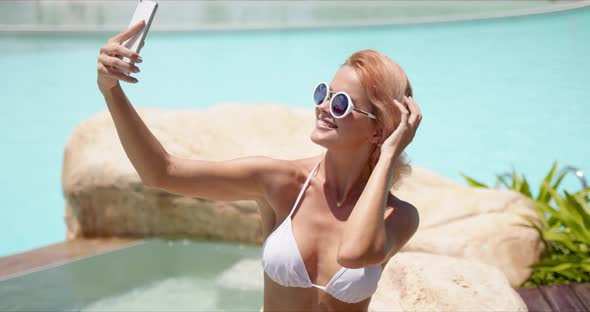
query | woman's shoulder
[293, 171]
[305, 166]
[288, 178]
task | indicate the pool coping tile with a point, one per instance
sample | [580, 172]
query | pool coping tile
[59, 253]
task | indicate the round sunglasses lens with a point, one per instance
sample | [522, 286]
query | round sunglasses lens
[339, 104]
[319, 95]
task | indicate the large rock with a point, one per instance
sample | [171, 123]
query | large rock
[414, 281]
[105, 197]
[472, 223]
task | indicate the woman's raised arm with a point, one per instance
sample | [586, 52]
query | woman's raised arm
[237, 179]
[245, 178]
[143, 149]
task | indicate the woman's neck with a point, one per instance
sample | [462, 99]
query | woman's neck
[343, 170]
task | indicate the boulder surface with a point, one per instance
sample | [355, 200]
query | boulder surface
[415, 281]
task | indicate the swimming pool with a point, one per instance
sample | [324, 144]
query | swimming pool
[493, 93]
[150, 276]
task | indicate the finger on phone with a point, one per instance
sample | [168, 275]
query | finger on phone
[124, 51]
[116, 62]
[129, 32]
[117, 74]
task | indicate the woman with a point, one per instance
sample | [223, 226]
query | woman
[330, 221]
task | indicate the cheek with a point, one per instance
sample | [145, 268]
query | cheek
[357, 129]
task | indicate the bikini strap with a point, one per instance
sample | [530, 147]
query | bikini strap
[303, 189]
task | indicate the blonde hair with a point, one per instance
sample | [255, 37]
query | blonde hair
[383, 81]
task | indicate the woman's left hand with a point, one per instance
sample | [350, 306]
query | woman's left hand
[411, 116]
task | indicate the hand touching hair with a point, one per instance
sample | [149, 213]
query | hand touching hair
[385, 82]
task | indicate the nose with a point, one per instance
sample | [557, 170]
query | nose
[325, 105]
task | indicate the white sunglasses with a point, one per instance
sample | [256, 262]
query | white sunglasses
[340, 103]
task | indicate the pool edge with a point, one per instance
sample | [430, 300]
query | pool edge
[60, 253]
[556, 8]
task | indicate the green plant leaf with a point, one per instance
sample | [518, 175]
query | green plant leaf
[534, 225]
[552, 190]
[542, 195]
[546, 208]
[563, 224]
[561, 267]
[571, 275]
[559, 179]
[515, 180]
[472, 182]
[561, 237]
[503, 181]
[577, 209]
[583, 195]
[563, 213]
[552, 261]
[525, 189]
[553, 222]
[567, 214]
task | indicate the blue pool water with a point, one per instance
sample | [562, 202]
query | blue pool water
[184, 276]
[494, 93]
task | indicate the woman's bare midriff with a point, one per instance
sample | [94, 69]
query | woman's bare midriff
[315, 228]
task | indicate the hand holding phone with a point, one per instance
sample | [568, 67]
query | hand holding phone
[118, 56]
[145, 11]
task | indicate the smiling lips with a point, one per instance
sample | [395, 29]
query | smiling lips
[326, 124]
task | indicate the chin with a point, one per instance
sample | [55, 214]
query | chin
[334, 141]
[323, 139]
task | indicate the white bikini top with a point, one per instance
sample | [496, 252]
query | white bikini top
[283, 263]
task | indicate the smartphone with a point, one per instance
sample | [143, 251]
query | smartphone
[145, 11]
